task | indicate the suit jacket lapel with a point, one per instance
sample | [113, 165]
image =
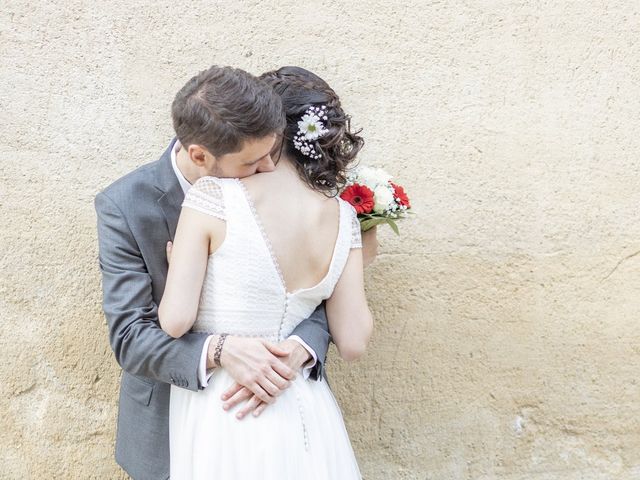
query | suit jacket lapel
[172, 196]
[170, 204]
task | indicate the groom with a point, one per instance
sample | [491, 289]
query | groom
[230, 124]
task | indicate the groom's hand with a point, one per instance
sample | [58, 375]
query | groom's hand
[296, 358]
[255, 364]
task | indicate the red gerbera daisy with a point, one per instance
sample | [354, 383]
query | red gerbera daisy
[400, 195]
[360, 197]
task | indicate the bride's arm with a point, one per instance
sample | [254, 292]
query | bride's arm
[350, 320]
[190, 252]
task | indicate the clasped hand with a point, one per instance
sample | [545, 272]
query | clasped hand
[262, 371]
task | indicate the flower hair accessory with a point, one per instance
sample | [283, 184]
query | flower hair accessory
[310, 128]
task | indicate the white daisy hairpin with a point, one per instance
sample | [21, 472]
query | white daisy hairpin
[310, 128]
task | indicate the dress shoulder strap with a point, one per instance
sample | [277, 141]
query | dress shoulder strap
[356, 235]
[206, 196]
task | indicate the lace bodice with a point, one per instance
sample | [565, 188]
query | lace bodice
[244, 292]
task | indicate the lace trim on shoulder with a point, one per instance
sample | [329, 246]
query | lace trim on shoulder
[206, 196]
[356, 235]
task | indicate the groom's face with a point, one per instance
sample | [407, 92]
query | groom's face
[256, 156]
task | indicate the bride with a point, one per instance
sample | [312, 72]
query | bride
[254, 257]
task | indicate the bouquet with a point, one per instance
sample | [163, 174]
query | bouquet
[376, 198]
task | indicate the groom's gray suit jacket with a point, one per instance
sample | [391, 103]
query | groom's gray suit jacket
[137, 215]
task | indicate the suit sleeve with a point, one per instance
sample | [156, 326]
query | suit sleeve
[315, 333]
[141, 347]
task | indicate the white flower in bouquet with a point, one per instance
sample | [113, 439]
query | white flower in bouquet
[372, 177]
[383, 197]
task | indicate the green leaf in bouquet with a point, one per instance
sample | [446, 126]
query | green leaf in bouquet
[369, 223]
[394, 226]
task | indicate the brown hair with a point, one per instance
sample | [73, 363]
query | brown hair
[301, 89]
[221, 107]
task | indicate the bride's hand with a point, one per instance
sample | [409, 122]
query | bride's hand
[369, 246]
[296, 358]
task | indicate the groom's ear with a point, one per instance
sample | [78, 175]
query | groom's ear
[198, 155]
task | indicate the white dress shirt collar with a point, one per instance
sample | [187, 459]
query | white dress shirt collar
[184, 183]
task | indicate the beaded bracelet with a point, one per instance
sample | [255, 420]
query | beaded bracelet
[218, 350]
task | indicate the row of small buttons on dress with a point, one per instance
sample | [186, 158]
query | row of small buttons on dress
[305, 435]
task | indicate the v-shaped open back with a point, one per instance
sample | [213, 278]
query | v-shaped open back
[274, 258]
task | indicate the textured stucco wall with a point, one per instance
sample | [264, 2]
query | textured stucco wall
[506, 343]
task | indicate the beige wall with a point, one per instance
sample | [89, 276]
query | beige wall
[506, 343]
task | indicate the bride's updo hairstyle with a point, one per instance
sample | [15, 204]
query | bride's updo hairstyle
[324, 167]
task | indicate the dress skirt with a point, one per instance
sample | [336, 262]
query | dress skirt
[300, 436]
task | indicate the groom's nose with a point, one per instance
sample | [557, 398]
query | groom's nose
[266, 165]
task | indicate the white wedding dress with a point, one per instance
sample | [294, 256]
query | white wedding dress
[300, 436]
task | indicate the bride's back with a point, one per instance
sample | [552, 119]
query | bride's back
[300, 224]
